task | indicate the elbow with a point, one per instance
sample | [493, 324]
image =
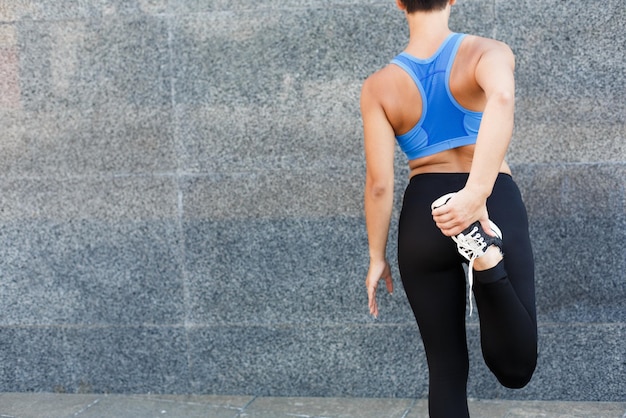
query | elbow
[378, 188]
[504, 98]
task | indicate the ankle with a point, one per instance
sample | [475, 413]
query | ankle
[490, 259]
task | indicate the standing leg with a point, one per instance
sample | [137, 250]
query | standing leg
[438, 302]
[434, 281]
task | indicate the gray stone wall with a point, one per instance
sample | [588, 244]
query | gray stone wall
[181, 197]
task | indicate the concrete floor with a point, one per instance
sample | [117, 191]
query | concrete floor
[48, 405]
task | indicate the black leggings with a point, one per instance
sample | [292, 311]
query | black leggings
[434, 280]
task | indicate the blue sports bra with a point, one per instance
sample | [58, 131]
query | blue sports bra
[444, 123]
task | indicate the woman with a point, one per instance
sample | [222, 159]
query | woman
[448, 100]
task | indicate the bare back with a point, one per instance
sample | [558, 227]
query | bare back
[402, 102]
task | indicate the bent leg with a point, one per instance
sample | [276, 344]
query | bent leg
[508, 333]
[505, 294]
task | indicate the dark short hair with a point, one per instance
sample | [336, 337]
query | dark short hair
[424, 5]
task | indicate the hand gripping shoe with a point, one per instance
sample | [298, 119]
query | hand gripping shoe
[472, 242]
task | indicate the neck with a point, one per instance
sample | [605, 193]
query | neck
[428, 27]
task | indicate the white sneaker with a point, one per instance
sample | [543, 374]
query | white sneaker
[472, 242]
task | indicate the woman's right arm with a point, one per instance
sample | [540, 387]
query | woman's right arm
[379, 183]
[494, 74]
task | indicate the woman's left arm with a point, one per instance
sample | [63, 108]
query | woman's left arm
[379, 141]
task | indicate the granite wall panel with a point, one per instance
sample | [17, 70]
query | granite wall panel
[570, 75]
[308, 361]
[181, 197]
[578, 275]
[83, 273]
[94, 97]
[84, 359]
[300, 278]
[264, 98]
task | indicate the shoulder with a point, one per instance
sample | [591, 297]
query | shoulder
[495, 67]
[381, 84]
[479, 47]
[493, 50]
[375, 82]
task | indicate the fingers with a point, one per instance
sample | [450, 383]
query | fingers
[449, 225]
[487, 227]
[371, 295]
[449, 228]
[371, 284]
[456, 215]
[374, 308]
[389, 284]
[447, 220]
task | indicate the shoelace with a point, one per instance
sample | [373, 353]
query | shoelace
[472, 245]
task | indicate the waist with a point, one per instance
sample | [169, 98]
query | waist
[456, 160]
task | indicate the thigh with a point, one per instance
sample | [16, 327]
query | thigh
[422, 247]
[433, 276]
[438, 303]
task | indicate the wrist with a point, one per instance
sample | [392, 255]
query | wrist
[376, 259]
[480, 190]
